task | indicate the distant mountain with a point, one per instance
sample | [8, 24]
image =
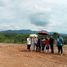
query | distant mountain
[26, 32]
[19, 31]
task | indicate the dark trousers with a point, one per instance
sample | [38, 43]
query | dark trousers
[38, 48]
[60, 49]
[28, 47]
[43, 46]
[52, 48]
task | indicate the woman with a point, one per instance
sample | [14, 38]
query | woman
[47, 42]
[33, 43]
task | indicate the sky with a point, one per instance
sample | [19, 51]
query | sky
[50, 15]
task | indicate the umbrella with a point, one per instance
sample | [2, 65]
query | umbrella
[43, 33]
[33, 35]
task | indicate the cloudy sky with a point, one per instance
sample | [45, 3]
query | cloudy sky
[50, 15]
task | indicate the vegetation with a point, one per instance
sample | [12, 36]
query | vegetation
[13, 38]
[21, 38]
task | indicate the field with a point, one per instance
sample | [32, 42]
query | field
[16, 55]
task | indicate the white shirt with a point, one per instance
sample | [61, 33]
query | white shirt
[35, 40]
[28, 41]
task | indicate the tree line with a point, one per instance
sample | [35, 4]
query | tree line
[21, 38]
[13, 38]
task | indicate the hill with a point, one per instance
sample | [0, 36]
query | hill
[19, 31]
[27, 31]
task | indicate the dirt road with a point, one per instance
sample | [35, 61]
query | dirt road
[15, 55]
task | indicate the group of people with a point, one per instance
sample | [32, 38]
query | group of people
[44, 44]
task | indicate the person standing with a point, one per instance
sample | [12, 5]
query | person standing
[47, 45]
[33, 43]
[28, 43]
[43, 44]
[51, 40]
[60, 44]
[38, 46]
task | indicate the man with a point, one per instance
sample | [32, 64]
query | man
[52, 44]
[43, 44]
[60, 44]
[28, 43]
[38, 46]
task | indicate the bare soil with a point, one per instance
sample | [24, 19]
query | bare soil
[16, 55]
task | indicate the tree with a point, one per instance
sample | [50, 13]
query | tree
[55, 35]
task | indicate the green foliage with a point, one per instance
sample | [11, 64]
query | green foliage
[65, 39]
[2, 37]
[21, 38]
[55, 35]
[13, 38]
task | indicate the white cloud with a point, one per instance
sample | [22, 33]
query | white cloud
[16, 14]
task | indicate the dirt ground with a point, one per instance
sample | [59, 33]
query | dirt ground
[16, 55]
